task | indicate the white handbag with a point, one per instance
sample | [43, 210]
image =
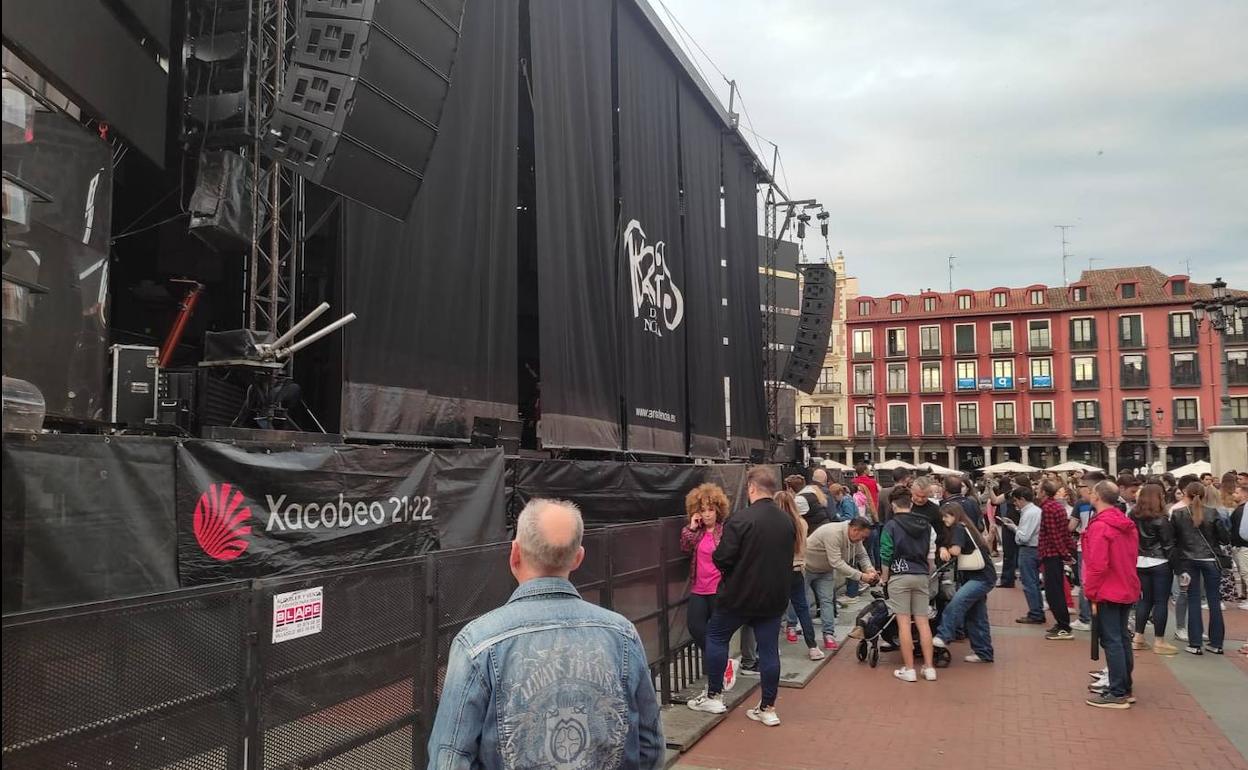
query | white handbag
[973, 561]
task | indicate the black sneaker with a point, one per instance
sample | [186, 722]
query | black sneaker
[747, 670]
[1060, 635]
[1108, 701]
[1104, 690]
[1027, 620]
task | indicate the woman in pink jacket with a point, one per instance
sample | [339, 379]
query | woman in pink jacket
[707, 508]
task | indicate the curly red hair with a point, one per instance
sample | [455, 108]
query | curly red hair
[705, 495]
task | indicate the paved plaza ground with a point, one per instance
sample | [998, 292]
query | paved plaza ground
[1024, 711]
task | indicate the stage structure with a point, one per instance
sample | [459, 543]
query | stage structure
[547, 265]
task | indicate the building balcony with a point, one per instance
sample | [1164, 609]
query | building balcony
[1188, 341]
[898, 430]
[1083, 345]
[1004, 428]
[1184, 380]
[1003, 349]
[1091, 384]
[1134, 429]
[1237, 375]
[935, 391]
[829, 431]
[1187, 427]
[933, 431]
[897, 390]
[929, 353]
[1043, 429]
[965, 431]
[864, 432]
[1087, 427]
[1133, 379]
[829, 388]
[896, 355]
[964, 350]
[1040, 347]
[864, 391]
[1131, 343]
[860, 355]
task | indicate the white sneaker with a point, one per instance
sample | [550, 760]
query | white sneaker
[973, 658]
[906, 675]
[1181, 635]
[1079, 625]
[938, 642]
[816, 654]
[767, 716]
[1243, 605]
[711, 704]
[929, 674]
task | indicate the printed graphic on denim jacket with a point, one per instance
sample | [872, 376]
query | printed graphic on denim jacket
[562, 704]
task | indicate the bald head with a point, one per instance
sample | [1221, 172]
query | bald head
[820, 476]
[548, 540]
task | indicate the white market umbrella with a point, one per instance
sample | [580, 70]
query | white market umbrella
[1193, 469]
[893, 465]
[1010, 467]
[1071, 465]
[833, 465]
[939, 470]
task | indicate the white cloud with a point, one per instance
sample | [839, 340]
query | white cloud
[973, 127]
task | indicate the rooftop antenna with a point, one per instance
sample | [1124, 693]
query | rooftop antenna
[1091, 260]
[1065, 254]
[951, 259]
[1189, 265]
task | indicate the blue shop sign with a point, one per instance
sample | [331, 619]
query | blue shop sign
[966, 383]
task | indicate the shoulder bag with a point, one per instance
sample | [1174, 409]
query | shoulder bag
[1222, 558]
[974, 561]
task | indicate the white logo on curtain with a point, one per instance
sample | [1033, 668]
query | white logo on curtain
[657, 300]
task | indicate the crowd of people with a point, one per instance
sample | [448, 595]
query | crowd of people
[552, 680]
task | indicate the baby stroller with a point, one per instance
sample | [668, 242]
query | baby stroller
[879, 624]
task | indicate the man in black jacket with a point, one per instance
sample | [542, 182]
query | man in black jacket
[755, 556]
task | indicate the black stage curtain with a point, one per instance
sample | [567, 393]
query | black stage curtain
[435, 342]
[652, 267]
[700, 135]
[745, 335]
[570, 78]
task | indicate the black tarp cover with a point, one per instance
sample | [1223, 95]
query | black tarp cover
[435, 342]
[745, 343]
[614, 492]
[652, 274]
[252, 511]
[570, 77]
[700, 136]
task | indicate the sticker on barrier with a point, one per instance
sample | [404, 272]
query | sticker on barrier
[298, 613]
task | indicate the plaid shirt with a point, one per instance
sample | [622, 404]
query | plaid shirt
[1055, 537]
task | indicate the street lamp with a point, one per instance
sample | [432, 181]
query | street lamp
[871, 412]
[1227, 316]
[1139, 414]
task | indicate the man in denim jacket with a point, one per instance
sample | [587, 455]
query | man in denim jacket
[548, 680]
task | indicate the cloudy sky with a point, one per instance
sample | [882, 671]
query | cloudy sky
[971, 128]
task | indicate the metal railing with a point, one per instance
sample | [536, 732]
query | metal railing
[195, 678]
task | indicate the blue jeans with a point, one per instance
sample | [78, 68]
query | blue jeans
[823, 584]
[766, 633]
[1208, 574]
[799, 608]
[1029, 571]
[1085, 606]
[970, 606]
[1116, 641]
[1154, 599]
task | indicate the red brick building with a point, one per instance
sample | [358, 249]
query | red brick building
[1041, 374]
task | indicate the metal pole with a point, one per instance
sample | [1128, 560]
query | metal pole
[1148, 440]
[1224, 418]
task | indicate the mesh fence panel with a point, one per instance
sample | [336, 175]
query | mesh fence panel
[352, 682]
[468, 583]
[141, 683]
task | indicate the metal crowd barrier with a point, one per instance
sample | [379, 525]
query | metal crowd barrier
[194, 679]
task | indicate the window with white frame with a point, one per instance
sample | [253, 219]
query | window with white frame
[1002, 336]
[967, 375]
[1003, 417]
[1186, 414]
[864, 420]
[1041, 373]
[1131, 331]
[898, 419]
[1037, 296]
[929, 340]
[864, 307]
[933, 422]
[862, 342]
[895, 306]
[929, 304]
[930, 377]
[895, 340]
[1003, 373]
[1084, 371]
[965, 301]
[968, 419]
[1042, 416]
[897, 378]
[1087, 415]
[864, 379]
[1039, 335]
[999, 299]
[963, 339]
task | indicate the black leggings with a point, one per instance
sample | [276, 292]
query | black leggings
[1054, 576]
[701, 607]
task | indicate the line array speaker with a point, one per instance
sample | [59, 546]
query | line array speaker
[810, 346]
[363, 96]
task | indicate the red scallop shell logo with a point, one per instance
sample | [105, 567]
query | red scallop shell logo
[221, 522]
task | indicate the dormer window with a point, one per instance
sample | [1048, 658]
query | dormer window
[999, 298]
[1127, 290]
[929, 304]
[894, 306]
[965, 301]
[864, 307]
[1037, 296]
[1079, 294]
[1178, 287]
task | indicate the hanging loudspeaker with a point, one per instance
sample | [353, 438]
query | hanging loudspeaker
[810, 346]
